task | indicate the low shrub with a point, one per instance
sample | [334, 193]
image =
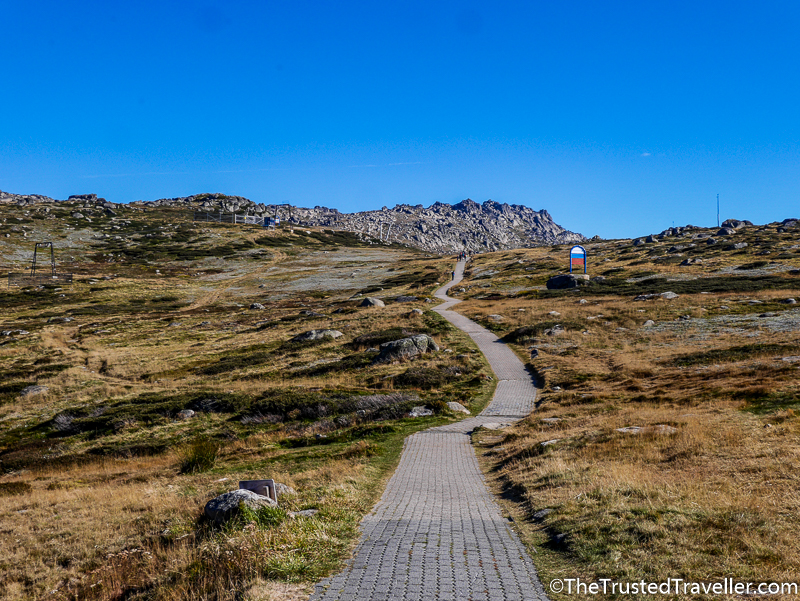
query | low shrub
[199, 455]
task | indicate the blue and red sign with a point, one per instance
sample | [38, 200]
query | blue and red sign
[577, 258]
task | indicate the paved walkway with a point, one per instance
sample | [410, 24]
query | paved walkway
[437, 533]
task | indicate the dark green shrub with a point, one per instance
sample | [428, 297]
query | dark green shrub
[199, 455]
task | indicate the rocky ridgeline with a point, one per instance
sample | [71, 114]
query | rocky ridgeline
[466, 226]
[441, 227]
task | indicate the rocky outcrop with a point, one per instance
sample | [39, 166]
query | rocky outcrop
[443, 228]
[316, 335]
[222, 508]
[466, 226]
[406, 348]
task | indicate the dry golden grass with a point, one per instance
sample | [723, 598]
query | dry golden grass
[708, 488]
[107, 514]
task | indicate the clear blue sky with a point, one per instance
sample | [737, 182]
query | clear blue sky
[619, 118]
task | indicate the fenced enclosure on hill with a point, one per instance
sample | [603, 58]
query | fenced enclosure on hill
[35, 279]
[26, 279]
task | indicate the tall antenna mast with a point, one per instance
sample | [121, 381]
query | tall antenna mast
[717, 210]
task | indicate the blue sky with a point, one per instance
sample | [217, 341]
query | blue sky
[619, 118]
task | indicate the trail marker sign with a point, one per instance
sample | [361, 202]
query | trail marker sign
[577, 258]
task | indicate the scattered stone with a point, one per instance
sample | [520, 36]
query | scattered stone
[76, 215]
[789, 301]
[686, 262]
[257, 306]
[496, 317]
[657, 429]
[711, 241]
[564, 281]
[556, 330]
[791, 359]
[284, 489]
[316, 335]
[406, 299]
[406, 348]
[303, 513]
[534, 353]
[420, 412]
[726, 231]
[458, 407]
[583, 301]
[541, 514]
[186, 414]
[494, 426]
[648, 324]
[372, 302]
[554, 314]
[227, 505]
[737, 246]
[547, 443]
[415, 313]
[551, 420]
[31, 390]
[638, 242]
[668, 295]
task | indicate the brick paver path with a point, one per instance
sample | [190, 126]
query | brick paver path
[437, 533]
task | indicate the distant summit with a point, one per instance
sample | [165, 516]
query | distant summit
[442, 228]
[467, 225]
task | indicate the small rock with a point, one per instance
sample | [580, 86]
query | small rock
[284, 489]
[711, 241]
[304, 513]
[420, 412]
[791, 359]
[494, 426]
[789, 301]
[406, 299]
[186, 414]
[541, 514]
[316, 335]
[583, 301]
[415, 312]
[496, 317]
[547, 443]
[648, 324]
[554, 314]
[372, 302]
[565, 281]
[227, 505]
[31, 390]
[458, 407]
[556, 330]
[551, 420]
[406, 348]
[668, 295]
[257, 306]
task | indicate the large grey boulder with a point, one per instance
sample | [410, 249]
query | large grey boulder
[372, 302]
[564, 281]
[406, 348]
[316, 335]
[227, 505]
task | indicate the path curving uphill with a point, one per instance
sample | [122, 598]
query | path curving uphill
[437, 532]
